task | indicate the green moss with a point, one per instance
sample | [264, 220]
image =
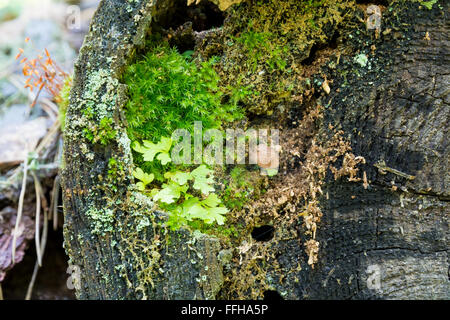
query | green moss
[239, 187]
[261, 48]
[265, 43]
[63, 101]
[168, 91]
[115, 170]
[101, 133]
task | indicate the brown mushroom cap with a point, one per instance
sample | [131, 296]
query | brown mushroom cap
[267, 157]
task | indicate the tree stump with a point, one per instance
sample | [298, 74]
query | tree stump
[386, 239]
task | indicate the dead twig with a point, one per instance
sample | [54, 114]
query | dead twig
[382, 168]
[32, 281]
[19, 209]
[54, 201]
[37, 217]
[42, 245]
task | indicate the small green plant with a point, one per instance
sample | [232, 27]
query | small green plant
[144, 178]
[102, 133]
[115, 169]
[63, 100]
[428, 4]
[170, 91]
[261, 49]
[238, 189]
[187, 195]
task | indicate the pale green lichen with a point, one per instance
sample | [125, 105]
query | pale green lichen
[95, 122]
[361, 59]
[102, 220]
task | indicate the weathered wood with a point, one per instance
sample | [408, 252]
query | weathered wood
[395, 110]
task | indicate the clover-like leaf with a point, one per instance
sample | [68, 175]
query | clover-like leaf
[165, 144]
[149, 150]
[138, 148]
[217, 215]
[178, 176]
[164, 157]
[203, 179]
[192, 209]
[140, 186]
[212, 200]
[153, 192]
[145, 178]
[169, 193]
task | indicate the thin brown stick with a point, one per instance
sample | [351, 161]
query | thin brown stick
[32, 281]
[43, 244]
[37, 218]
[54, 202]
[19, 209]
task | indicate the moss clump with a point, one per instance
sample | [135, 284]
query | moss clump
[265, 44]
[168, 91]
[115, 171]
[260, 49]
[239, 187]
[102, 133]
[63, 101]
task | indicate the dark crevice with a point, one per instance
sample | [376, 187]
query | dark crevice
[180, 24]
[311, 57]
[332, 44]
[263, 233]
[175, 13]
[183, 38]
[4, 202]
[51, 280]
[272, 295]
[376, 2]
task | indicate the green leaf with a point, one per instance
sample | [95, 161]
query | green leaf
[203, 179]
[164, 158]
[165, 144]
[140, 186]
[192, 209]
[216, 214]
[153, 192]
[429, 4]
[212, 200]
[179, 177]
[144, 177]
[150, 150]
[169, 193]
[138, 148]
